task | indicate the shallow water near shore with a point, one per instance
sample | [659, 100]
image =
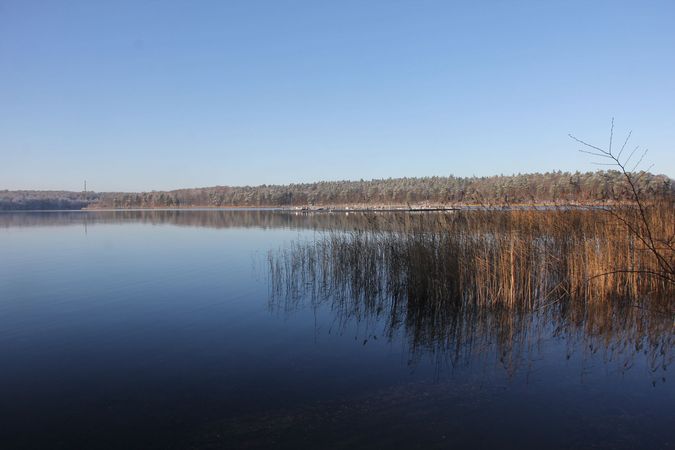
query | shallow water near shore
[169, 329]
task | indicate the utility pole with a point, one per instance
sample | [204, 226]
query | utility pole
[85, 189]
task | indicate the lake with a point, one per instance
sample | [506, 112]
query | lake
[194, 329]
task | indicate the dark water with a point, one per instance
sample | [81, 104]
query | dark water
[162, 330]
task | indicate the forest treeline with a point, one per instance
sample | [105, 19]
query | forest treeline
[550, 187]
[44, 200]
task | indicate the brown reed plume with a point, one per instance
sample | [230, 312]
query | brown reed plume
[488, 281]
[515, 259]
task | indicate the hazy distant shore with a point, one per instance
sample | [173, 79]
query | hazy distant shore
[340, 208]
[537, 189]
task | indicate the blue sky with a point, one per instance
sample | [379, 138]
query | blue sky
[144, 95]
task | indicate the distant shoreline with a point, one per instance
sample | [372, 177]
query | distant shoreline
[346, 208]
[425, 193]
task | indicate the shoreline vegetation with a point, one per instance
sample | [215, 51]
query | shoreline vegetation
[524, 260]
[340, 208]
[428, 193]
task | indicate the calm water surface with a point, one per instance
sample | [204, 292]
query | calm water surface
[161, 330]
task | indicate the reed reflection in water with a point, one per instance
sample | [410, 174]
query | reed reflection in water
[484, 284]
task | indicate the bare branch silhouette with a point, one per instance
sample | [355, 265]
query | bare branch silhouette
[639, 225]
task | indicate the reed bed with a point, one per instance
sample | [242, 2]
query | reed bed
[517, 260]
[459, 283]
